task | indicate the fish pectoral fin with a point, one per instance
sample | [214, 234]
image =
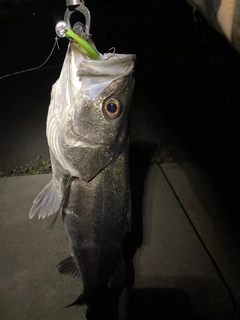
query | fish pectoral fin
[46, 203]
[68, 266]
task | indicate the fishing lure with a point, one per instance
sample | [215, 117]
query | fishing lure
[80, 34]
[63, 30]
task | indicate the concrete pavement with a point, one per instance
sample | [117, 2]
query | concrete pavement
[183, 269]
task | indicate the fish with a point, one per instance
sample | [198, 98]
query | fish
[88, 137]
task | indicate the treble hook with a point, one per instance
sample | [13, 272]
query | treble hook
[81, 8]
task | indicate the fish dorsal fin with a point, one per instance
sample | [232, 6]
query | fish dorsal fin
[46, 203]
[68, 267]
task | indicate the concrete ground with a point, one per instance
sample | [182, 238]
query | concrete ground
[185, 253]
[184, 265]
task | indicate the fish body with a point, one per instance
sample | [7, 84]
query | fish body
[87, 132]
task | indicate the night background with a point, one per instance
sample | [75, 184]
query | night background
[186, 101]
[187, 78]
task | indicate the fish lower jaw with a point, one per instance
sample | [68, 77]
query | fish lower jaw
[82, 144]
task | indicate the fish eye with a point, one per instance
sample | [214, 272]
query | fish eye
[112, 108]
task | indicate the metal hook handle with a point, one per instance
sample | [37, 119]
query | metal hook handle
[81, 8]
[73, 2]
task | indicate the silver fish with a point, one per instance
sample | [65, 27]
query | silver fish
[87, 132]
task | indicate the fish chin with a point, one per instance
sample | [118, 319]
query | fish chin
[81, 144]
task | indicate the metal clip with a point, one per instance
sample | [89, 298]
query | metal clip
[81, 8]
[73, 2]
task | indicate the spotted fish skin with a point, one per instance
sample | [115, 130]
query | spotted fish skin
[87, 132]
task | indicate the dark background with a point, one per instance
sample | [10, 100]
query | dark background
[187, 84]
[184, 68]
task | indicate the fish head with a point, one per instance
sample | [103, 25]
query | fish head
[103, 120]
[94, 124]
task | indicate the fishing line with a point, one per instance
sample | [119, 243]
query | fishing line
[41, 65]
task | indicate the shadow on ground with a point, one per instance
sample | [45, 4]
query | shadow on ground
[156, 303]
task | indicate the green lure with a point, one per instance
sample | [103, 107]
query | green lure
[82, 44]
